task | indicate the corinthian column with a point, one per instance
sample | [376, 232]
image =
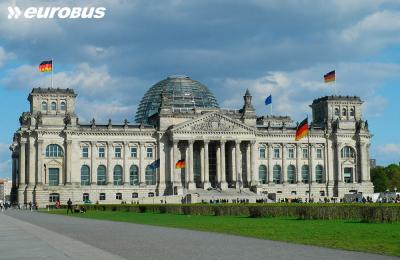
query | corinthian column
[191, 184]
[238, 168]
[224, 185]
[126, 165]
[253, 154]
[206, 183]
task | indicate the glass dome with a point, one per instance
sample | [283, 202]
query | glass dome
[182, 91]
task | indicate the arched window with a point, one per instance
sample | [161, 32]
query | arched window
[134, 175]
[291, 172]
[53, 106]
[54, 150]
[277, 174]
[318, 174]
[337, 111]
[118, 175]
[344, 112]
[63, 106]
[44, 106]
[85, 175]
[262, 174]
[305, 173]
[352, 111]
[150, 176]
[101, 175]
[347, 152]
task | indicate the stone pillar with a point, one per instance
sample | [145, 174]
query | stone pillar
[109, 170]
[202, 179]
[161, 170]
[32, 162]
[93, 171]
[191, 184]
[299, 178]
[224, 185]
[126, 164]
[21, 160]
[330, 162]
[248, 164]
[171, 165]
[311, 166]
[176, 174]
[39, 166]
[253, 155]
[218, 159]
[284, 166]
[22, 172]
[338, 166]
[269, 170]
[142, 174]
[67, 163]
[206, 183]
[238, 169]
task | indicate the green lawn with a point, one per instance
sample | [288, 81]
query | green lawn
[351, 235]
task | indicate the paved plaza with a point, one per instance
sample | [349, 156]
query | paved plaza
[33, 235]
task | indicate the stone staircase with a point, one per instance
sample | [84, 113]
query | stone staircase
[229, 195]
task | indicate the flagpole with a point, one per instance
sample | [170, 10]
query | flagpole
[52, 68]
[309, 163]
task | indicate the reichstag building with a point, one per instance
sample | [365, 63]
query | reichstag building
[225, 151]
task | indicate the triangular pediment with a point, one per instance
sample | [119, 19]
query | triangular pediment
[213, 122]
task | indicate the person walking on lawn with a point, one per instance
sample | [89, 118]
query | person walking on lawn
[69, 206]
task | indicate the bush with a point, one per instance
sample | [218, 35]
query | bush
[363, 212]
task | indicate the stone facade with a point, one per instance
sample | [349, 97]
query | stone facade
[57, 157]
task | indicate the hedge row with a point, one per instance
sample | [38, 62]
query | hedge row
[363, 212]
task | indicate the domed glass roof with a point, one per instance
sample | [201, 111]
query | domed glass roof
[182, 92]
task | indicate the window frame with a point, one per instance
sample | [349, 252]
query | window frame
[118, 152]
[101, 154]
[102, 196]
[85, 152]
[119, 181]
[53, 106]
[133, 151]
[85, 182]
[291, 153]
[277, 153]
[262, 174]
[101, 182]
[149, 152]
[261, 152]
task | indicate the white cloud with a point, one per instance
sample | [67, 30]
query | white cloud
[390, 149]
[5, 56]
[376, 30]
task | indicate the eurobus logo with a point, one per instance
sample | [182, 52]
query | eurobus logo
[14, 12]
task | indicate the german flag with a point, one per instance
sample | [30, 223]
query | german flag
[330, 76]
[180, 164]
[302, 129]
[46, 66]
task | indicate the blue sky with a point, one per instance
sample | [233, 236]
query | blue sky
[281, 48]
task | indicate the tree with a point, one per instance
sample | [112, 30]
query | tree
[379, 179]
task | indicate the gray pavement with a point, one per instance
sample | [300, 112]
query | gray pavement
[61, 237]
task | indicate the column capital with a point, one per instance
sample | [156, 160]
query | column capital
[175, 141]
[222, 141]
[253, 142]
[191, 141]
[93, 143]
[237, 143]
[68, 142]
[206, 141]
[40, 141]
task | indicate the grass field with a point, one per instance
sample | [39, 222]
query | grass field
[381, 238]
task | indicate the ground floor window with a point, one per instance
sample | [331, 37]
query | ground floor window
[85, 197]
[135, 195]
[151, 194]
[277, 174]
[348, 175]
[291, 172]
[134, 175]
[304, 174]
[54, 176]
[322, 193]
[319, 174]
[118, 196]
[102, 196]
[262, 174]
[54, 197]
[150, 175]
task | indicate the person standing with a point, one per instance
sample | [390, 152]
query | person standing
[69, 206]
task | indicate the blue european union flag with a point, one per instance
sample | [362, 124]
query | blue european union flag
[155, 164]
[268, 100]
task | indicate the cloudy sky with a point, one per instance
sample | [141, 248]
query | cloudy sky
[281, 48]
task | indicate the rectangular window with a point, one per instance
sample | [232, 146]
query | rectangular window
[319, 153]
[102, 196]
[118, 196]
[134, 152]
[54, 178]
[117, 152]
[149, 151]
[102, 152]
[305, 153]
[85, 152]
[277, 153]
[262, 153]
[85, 197]
[291, 153]
[348, 175]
